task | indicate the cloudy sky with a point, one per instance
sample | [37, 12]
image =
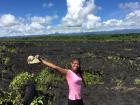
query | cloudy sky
[35, 17]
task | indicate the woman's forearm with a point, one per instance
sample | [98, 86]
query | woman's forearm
[61, 70]
[46, 62]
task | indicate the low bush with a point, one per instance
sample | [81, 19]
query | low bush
[20, 80]
[92, 78]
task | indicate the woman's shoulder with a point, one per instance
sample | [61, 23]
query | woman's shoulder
[69, 72]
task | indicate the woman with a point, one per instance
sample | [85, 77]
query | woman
[74, 79]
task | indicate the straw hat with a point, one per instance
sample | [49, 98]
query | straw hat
[33, 59]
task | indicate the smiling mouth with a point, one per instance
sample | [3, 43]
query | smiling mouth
[75, 67]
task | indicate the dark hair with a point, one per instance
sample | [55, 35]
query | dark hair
[79, 71]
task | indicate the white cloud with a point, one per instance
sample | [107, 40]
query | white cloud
[113, 23]
[80, 14]
[7, 20]
[81, 17]
[11, 25]
[130, 5]
[42, 20]
[131, 20]
[36, 25]
[92, 22]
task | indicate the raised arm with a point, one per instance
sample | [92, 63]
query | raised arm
[46, 62]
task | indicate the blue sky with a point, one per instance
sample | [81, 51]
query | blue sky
[33, 17]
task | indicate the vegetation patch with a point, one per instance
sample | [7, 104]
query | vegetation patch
[113, 57]
[128, 49]
[39, 101]
[103, 37]
[137, 81]
[20, 80]
[118, 82]
[92, 78]
[44, 78]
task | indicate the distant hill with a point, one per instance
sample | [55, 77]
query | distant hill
[121, 31]
[116, 35]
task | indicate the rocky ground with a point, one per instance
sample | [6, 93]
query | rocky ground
[118, 63]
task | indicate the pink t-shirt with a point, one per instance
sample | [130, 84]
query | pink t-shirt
[74, 83]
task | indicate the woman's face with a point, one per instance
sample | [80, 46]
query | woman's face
[75, 65]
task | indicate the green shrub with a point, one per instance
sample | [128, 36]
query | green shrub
[114, 57]
[6, 60]
[38, 101]
[20, 80]
[11, 96]
[137, 81]
[92, 78]
[2, 48]
[1, 100]
[16, 85]
[43, 78]
[119, 82]
[131, 62]
[11, 49]
[7, 48]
